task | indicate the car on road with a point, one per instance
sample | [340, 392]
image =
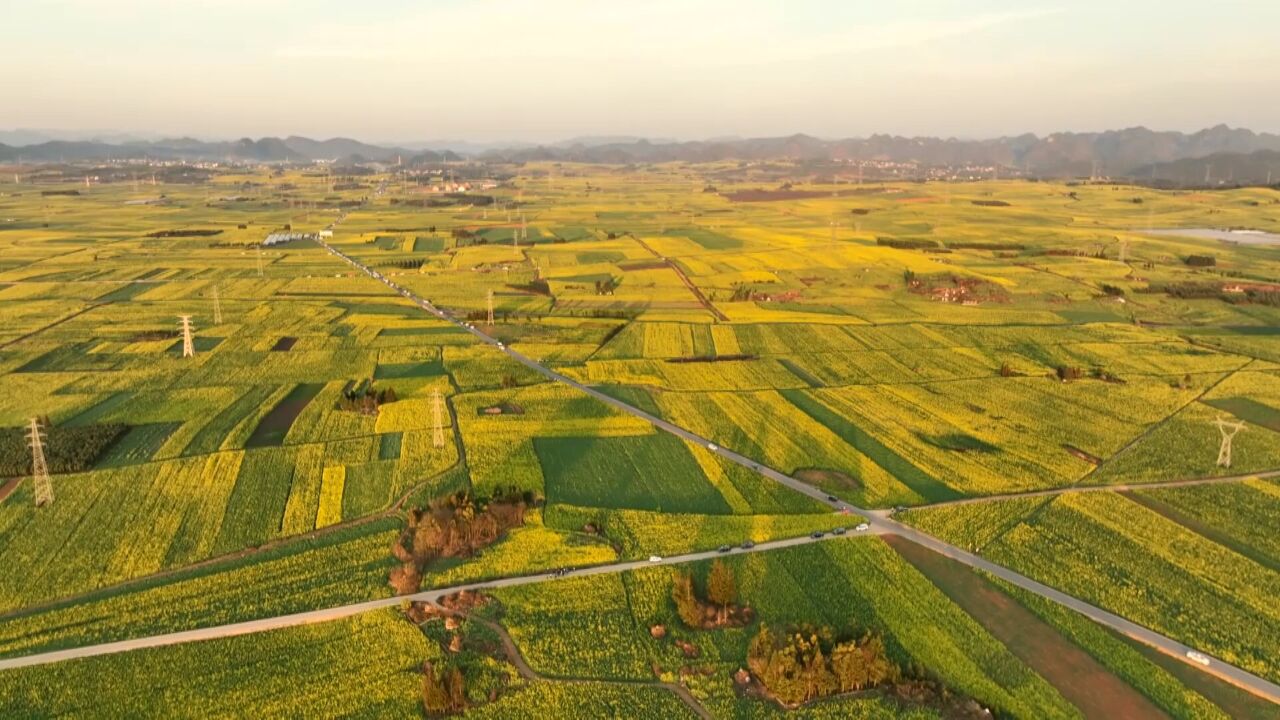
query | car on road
[816, 534]
[839, 531]
[712, 447]
[748, 544]
[1197, 657]
[724, 548]
[862, 527]
[833, 498]
[655, 558]
[499, 345]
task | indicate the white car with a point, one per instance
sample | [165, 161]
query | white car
[862, 527]
[655, 558]
[712, 447]
[1196, 657]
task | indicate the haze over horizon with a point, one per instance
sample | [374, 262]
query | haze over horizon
[513, 71]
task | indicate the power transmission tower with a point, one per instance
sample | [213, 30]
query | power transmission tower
[217, 307]
[188, 345]
[259, 261]
[1228, 430]
[489, 298]
[39, 468]
[1124, 250]
[437, 419]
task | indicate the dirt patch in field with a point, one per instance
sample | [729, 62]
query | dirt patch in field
[828, 478]
[284, 344]
[1072, 449]
[1082, 680]
[8, 487]
[276, 423]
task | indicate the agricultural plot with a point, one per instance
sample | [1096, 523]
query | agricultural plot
[1138, 563]
[922, 348]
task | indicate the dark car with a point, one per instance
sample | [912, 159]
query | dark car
[838, 531]
[832, 498]
[724, 549]
[747, 545]
[817, 534]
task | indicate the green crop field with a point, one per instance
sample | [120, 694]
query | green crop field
[894, 345]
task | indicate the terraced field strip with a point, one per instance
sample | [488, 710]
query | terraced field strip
[679, 271]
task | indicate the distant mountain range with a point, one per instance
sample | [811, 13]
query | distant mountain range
[1133, 152]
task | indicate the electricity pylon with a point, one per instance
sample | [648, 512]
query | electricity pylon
[188, 345]
[259, 261]
[39, 468]
[437, 419]
[1124, 250]
[489, 299]
[1228, 430]
[217, 307]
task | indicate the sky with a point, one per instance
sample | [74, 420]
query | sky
[547, 70]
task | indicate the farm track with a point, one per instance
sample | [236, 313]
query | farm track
[1125, 487]
[176, 572]
[54, 324]
[679, 271]
[528, 673]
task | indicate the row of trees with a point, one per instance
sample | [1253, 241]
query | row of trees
[67, 449]
[801, 666]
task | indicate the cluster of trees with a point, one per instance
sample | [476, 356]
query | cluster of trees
[720, 609]
[67, 449]
[453, 526]
[741, 292]
[1113, 290]
[977, 245]
[606, 287]
[1257, 295]
[405, 264]
[365, 399]
[808, 664]
[1201, 260]
[907, 244]
[443, 691]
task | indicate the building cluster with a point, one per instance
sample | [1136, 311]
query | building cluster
[280, 238]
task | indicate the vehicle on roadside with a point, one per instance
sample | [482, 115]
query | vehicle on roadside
[816, 534]
[862, 527]
[655, 558]
[712, 447]
[724, 548]
[748, 544]
[832, 498]
[1197, 657]
[839, 531]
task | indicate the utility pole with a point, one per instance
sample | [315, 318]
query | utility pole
[1124, 250]
[188, 345]
[489, 299]
[437, 419]
[1228, 430]
[39, 468]
[217, 307]
[259, 261]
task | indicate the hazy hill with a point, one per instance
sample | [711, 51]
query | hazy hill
[1116, 153]
[1224, 168]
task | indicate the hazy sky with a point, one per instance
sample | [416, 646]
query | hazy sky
[543, 70]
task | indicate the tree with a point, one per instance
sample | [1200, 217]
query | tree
[687, 605]
[722, 589]
[435, 699]
[457, 691]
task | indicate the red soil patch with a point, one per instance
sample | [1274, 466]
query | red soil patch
[1082, 680]
[7, 489]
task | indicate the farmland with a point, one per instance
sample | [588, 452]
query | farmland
[899, 346]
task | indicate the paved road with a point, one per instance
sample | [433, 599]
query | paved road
[334, 613]
[879, 521]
